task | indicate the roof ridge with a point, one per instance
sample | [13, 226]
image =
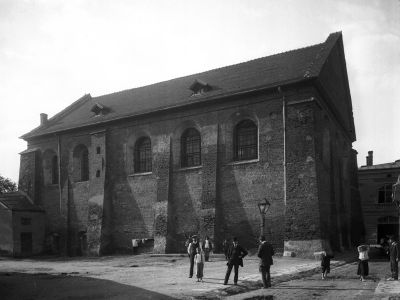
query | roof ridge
[325, 46]
[211, 70]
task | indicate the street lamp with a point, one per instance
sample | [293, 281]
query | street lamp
[263, 206]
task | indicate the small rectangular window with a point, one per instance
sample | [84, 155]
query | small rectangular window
[385, 194]
[25, 221]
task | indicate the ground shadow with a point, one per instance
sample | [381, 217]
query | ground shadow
[23, 286]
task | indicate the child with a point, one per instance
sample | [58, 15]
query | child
[199, 260]
[362, 261]
[325, 264]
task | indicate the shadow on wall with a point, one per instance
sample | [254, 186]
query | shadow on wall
[130, 203]
[234, 215]
[19, 286]
[184, 210]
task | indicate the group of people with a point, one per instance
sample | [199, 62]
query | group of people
[234, 253]
[198, 254]
[391, 250]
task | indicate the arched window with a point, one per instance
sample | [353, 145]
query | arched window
[50, 167]
[246, 140]
[54, 169]
[190, 148]
[81, 163]
[142, 155]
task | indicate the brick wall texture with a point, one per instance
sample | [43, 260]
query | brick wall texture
[219, 198]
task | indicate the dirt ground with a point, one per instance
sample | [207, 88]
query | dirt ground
[130, 277]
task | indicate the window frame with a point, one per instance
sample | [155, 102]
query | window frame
[190, 148]
[385, 192]
[142, 164]
[241, 148]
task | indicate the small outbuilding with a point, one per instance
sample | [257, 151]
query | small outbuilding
[22, 225]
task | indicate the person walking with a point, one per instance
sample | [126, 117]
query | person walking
[192, 250]
[394, 258]
[363, 261]
[207, 247]
[265, 252]
[325, 264]
[236, 253]
[199, 260]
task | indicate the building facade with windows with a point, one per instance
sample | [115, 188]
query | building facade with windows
[381, 214]
[22, 229]
[195, 155]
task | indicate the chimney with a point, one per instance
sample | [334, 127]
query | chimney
[370, 158]
[43, 119]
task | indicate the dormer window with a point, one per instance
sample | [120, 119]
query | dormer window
[99, 109]
[199, 87]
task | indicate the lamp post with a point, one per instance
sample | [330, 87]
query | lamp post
[263, 206]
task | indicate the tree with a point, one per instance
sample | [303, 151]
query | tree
[7, 185]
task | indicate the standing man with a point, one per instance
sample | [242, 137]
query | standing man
[394, 258]
[265, 252]
[235, 259]
[192, 250]
[207, 247]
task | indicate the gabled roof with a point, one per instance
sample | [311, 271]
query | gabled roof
[266, 72]
[18, 201]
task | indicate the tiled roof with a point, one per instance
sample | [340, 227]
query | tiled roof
[18, 201]
[392, 165]
[266, 72]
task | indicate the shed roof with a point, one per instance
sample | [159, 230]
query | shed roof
[270, 71]
[18, 201]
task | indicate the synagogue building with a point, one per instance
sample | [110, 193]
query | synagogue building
[196, 154]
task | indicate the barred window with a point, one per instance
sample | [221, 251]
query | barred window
[190, 148]
[142, 155]
[80, 163]
[246, 140]
[50, 167]
[385, 194]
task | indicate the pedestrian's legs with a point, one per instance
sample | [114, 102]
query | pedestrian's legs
[191, 265]
[268, 276]
[394, 268]
[235, 280]
[228, 273]
[263, 271]
[206, 253]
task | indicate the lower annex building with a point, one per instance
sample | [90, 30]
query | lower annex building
[194, 155]
[381, 214]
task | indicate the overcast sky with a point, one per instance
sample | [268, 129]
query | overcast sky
[53, 52]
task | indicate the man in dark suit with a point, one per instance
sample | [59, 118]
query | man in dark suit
[265, 252]
[394, 258]
[235, 259]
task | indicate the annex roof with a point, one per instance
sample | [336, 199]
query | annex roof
[18, 201]
[266, 72]
[391, 165]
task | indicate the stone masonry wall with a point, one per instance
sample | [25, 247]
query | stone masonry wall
[218, 198]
